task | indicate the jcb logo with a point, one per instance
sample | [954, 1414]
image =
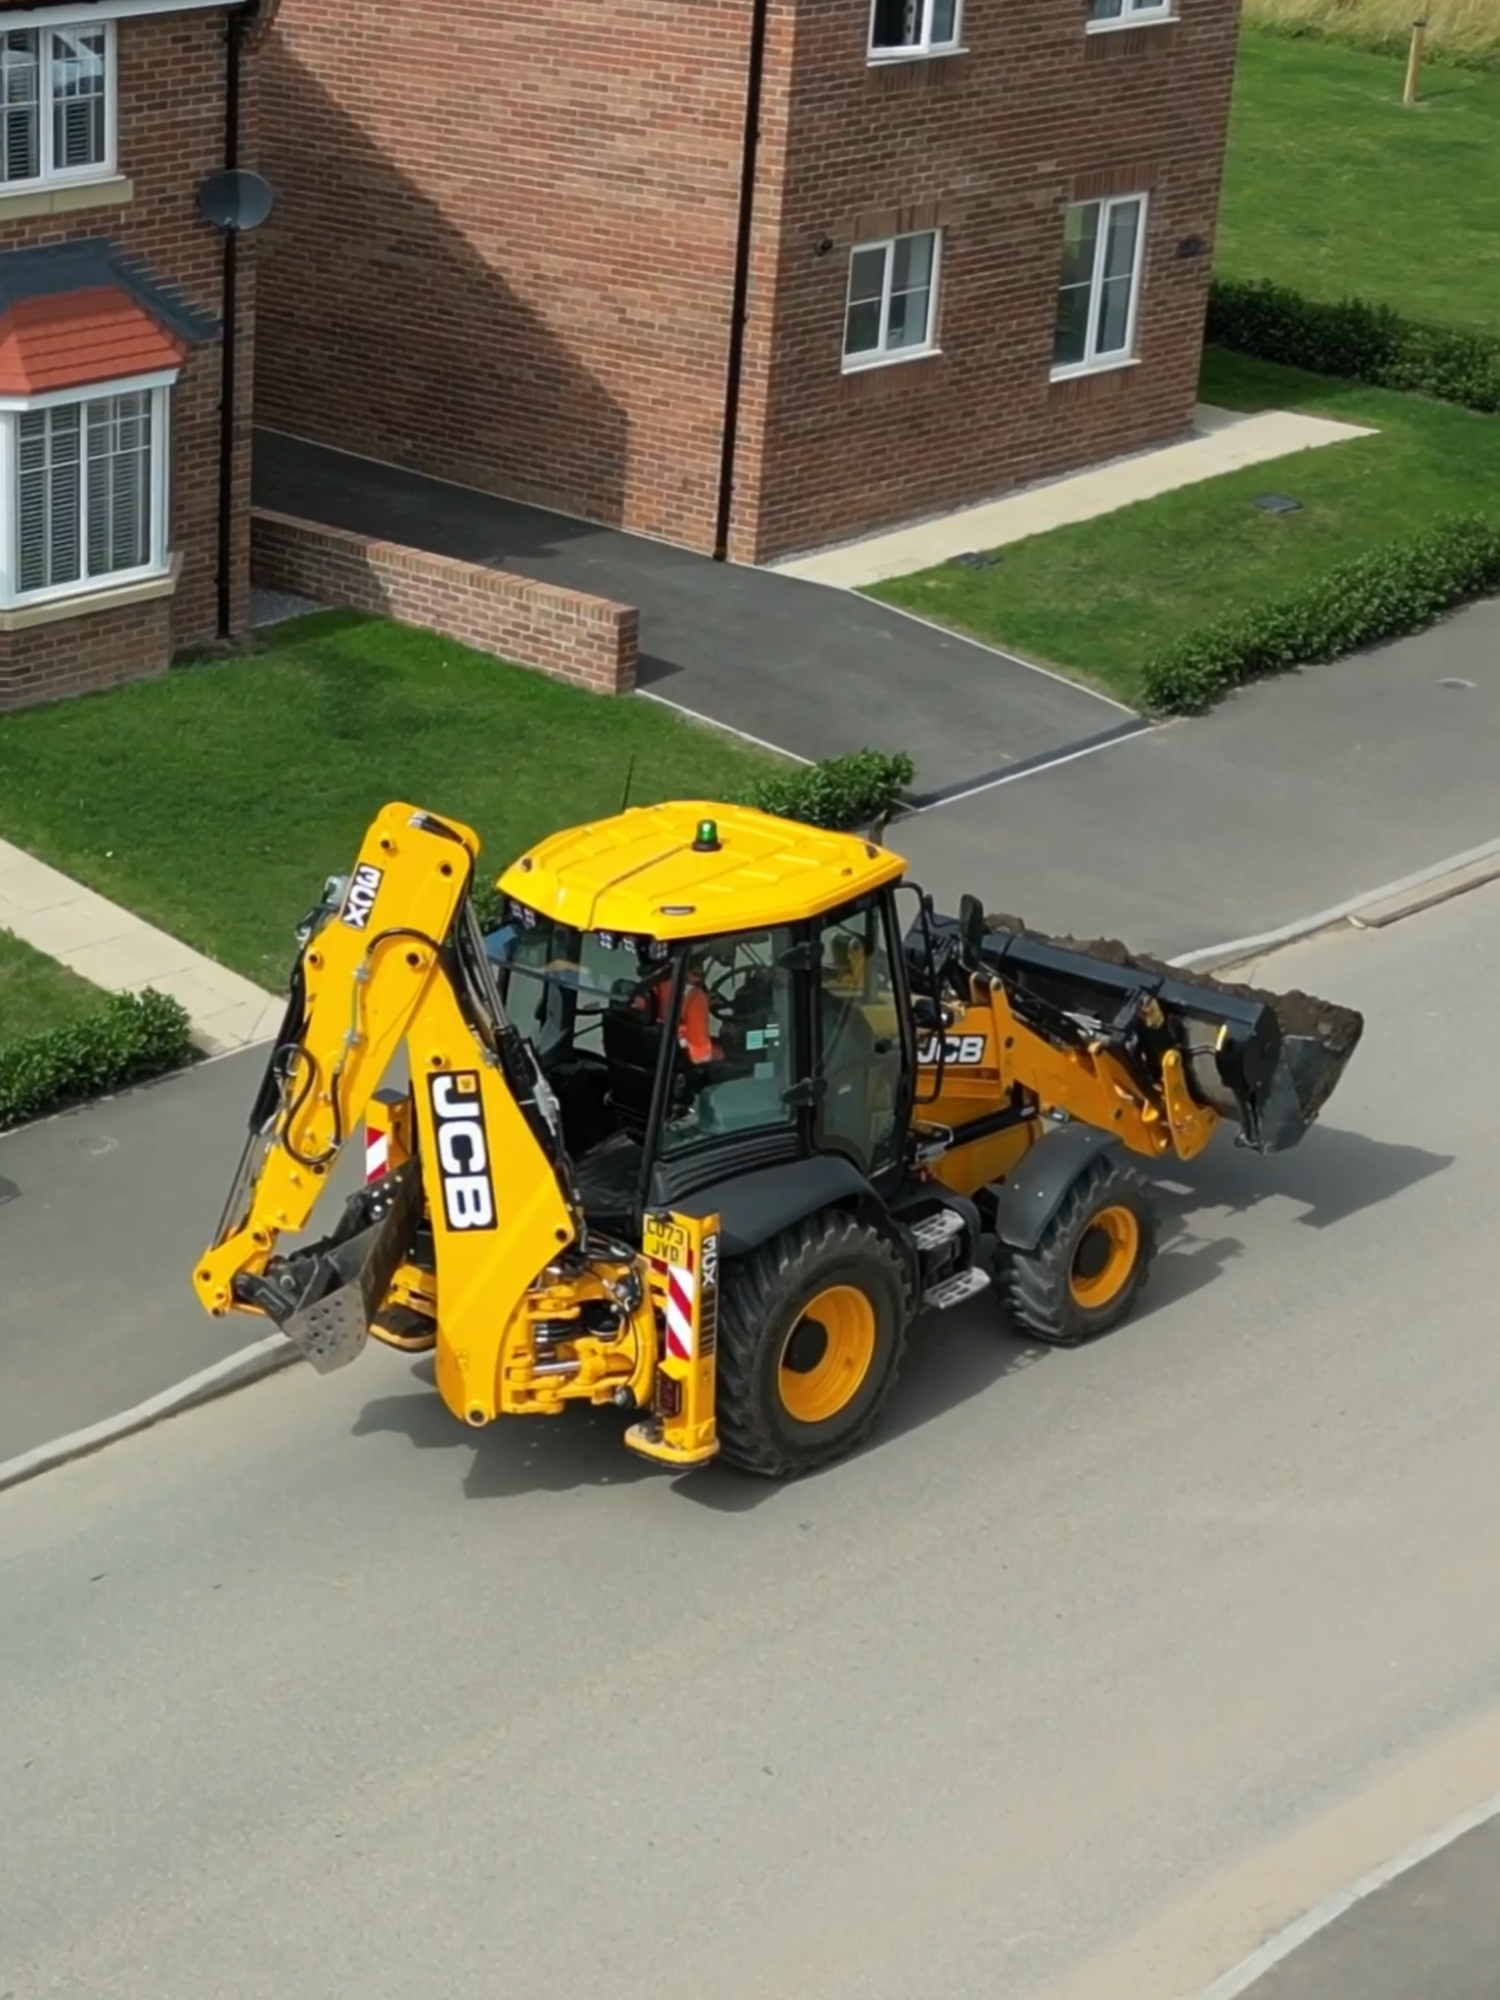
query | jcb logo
[359, 900]
[958, 1051]
[463, 1152]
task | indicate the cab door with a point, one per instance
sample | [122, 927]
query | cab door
[862, 1067]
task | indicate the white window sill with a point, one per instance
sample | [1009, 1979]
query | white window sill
[863, 363]
[885, 58]
[1165, 19]
[84, 603]
[63, 197]
[1113, 365]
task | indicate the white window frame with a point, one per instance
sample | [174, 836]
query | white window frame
[1122, 357]
[49, 175]
[1133, 14]
[160, 386]
[924, 47]
[883, 357]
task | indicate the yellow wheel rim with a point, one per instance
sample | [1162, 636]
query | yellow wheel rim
[827, 1355]
[1105, 1259]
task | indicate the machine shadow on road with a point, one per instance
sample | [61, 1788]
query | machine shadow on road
[1332, 1175]
[952, 1358]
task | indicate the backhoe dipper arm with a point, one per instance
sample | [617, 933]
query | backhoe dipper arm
[396, 954]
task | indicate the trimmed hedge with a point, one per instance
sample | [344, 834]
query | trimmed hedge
[841, 793]
[133, 1036]
[1357, 340]
[1395, 590]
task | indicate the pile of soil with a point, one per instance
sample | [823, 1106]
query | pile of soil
[1336, 1028]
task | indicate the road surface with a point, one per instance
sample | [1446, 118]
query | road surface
[1091, 1673]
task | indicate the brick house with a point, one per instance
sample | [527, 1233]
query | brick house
[753, 276]
[124, 497]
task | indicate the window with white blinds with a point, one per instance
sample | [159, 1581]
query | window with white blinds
[86, 493]
[56, 103]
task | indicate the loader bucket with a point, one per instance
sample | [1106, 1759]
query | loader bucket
[1267, 1062]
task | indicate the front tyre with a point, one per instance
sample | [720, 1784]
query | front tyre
[812, 1329]
[1093, 1258]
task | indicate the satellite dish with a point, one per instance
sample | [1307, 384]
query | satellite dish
[236, 200]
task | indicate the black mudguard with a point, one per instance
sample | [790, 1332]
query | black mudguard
[752, 1208]
[1029, 1198]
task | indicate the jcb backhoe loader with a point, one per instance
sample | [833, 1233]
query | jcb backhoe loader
[701, 1129]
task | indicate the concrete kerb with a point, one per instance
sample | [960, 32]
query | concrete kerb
[1370, 911]
[235, 1371]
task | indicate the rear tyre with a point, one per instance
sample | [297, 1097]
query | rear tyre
[1095, 1255]
[812, 1330]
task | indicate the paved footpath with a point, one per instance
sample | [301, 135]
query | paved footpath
[314, 1691]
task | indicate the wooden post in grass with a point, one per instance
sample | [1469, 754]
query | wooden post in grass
[1414, 61]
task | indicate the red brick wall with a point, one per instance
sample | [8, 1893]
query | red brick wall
[171, 77]
[505, 247]
[84, 655]
[990, 144]
[504, 256]
[587, 641]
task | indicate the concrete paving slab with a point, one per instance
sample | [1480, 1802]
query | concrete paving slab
[30, 885]
[1223, 441]
[788, 662]
[1291, 797]
[1431, 1934]
[117, 952]
[87, 924]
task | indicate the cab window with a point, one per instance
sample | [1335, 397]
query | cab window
[733, 1051]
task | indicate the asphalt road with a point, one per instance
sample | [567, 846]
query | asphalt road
[1289, 798]
[1093, 1671]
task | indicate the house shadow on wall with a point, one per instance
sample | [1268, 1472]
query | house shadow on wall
[383, 330]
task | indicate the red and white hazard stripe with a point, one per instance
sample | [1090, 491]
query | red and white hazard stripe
[682, 1297]
[377, 1153]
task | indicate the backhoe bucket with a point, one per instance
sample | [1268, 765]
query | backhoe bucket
[1267, 1062]
[324, 1297]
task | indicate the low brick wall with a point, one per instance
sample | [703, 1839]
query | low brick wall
[585, 640]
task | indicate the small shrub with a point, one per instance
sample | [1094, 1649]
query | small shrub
[1396, 590]
[133, 1036]
[841, 793]
[1356, 340]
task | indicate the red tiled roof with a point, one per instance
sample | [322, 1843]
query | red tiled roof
[70, 340]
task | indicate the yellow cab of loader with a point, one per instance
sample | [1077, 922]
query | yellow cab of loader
[713, 1116]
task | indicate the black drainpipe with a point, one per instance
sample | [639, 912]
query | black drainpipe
[239, 20]
[739, 312]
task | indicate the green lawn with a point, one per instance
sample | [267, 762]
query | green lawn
[1098, 598]
[1334, 187]
[37, 993]
[214, 802]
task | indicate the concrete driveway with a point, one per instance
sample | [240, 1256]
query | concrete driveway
[375, 1705]
[815, 671]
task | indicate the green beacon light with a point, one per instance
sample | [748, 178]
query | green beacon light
[707, 841]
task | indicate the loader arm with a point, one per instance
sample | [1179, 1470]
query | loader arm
[396, 956]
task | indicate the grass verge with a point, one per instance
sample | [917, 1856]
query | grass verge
[213, 802]
[63, 1040]
[1101, 598]
[36, 993]
[1336, 189]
